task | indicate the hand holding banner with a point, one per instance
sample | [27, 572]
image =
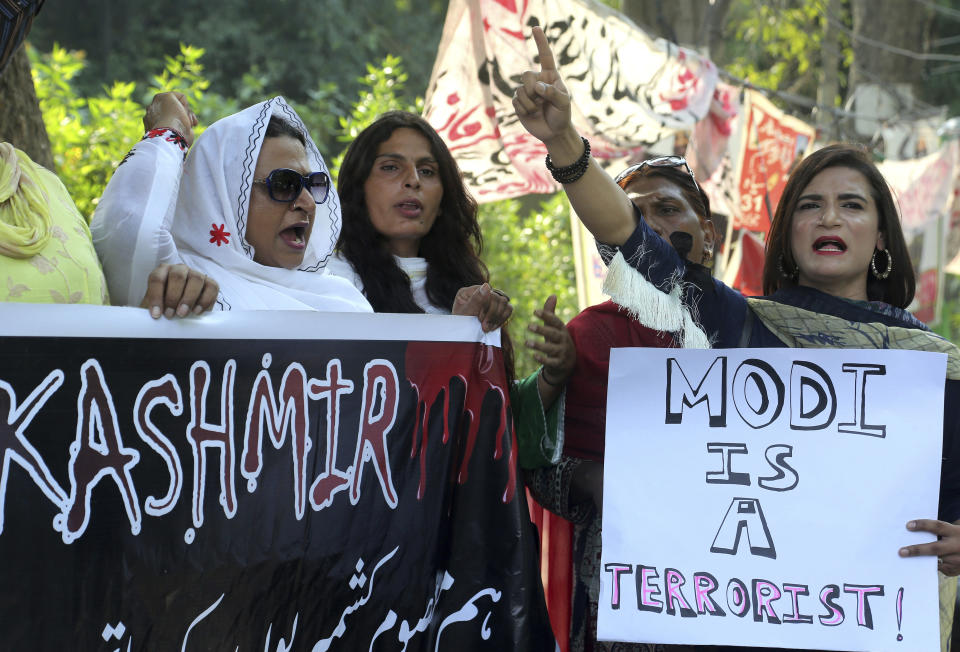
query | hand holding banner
[260, 480]
[776, 487]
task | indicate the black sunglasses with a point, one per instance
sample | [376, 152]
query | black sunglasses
[660, 162]
[285, 185]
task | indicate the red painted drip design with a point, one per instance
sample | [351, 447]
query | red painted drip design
[430, 368]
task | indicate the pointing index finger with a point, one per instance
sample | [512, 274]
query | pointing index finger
[550, 305]
[543, 50]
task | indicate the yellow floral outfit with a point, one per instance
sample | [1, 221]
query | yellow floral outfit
[46, 254]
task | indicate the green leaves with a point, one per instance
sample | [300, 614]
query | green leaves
[528, 250]
[381, 90]
[88, 136]
[183, 73]
[779, 44]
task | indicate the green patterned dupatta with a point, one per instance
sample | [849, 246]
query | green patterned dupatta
[803, 328]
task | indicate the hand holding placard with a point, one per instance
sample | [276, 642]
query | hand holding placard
[794, 472]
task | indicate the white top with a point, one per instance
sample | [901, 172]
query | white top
[415, 268]
[159, 209]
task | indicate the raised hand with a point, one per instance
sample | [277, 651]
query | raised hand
[556, 351]
[171, 109]
[542, 102]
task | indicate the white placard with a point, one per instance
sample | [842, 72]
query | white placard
[759, 497]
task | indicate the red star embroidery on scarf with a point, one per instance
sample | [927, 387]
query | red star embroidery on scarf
[219, 234]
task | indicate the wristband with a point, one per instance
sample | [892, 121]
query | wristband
[547, 380]
[572, 172]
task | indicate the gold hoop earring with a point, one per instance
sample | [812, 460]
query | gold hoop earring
[873, 264]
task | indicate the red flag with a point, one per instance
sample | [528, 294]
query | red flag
[749, 275]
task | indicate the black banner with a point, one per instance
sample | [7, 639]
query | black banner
[197, 486]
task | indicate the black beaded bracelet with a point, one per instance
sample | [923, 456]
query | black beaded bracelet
[572, 172]
[543, 375]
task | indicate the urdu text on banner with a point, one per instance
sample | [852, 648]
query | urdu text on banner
[760, 497]
[772, 144]
[629, 90]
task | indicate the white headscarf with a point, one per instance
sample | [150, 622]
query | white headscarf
[210, 221]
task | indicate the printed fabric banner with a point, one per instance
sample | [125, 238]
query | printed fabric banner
[772, 144]
[924, 187]
[760, 497]
[714, 146]
[709, 140]
[629, 90]
[260, 481]
[926, 190]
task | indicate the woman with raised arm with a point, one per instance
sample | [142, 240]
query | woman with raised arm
[574, 487]
[47, 255]
[837, 267]
[251, 207]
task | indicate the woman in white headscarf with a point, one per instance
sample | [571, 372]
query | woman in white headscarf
[251, 207]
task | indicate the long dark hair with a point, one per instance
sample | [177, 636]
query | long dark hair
[451, 248]
[778, 267]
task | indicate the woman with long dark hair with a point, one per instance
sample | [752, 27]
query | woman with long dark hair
[411, 242]
[403, 198]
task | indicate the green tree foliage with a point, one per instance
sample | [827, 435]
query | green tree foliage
[778, 44]
[294, 48]
[89, 135]
[942, 78]
[949, 326]
[530, 256]
[381, 90]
